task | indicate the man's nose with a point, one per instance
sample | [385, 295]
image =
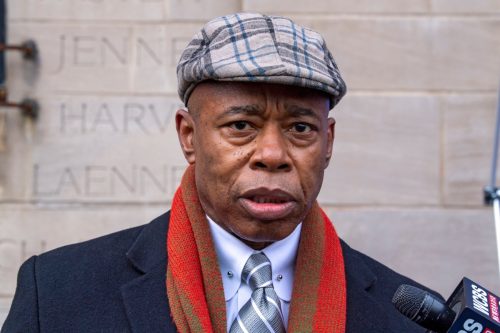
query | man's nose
[271, 151]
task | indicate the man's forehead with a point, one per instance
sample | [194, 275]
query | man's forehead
[254, 98]
[288, 111]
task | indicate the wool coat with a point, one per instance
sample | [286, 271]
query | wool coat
[116, 283]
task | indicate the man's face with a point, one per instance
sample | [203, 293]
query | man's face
[260, 151]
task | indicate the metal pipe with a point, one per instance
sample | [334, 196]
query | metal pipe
[28, 49]
[493, 176]
[496, 215]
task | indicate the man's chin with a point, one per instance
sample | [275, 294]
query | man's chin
[265, 233]
[254, 244]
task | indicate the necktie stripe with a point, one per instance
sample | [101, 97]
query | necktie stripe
[253, 271]
[264, 320]
[270, 300]
[262, 313]
[241, 325]
[270, 312]
[253, 323]
[265, 284]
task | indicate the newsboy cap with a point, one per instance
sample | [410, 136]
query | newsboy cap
[250, 47]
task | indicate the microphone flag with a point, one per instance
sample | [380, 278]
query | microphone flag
[477, 309]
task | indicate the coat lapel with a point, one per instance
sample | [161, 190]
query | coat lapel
[145, 296]
[364, 311]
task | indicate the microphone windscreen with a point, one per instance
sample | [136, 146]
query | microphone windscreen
[423, 308]
[408, 300]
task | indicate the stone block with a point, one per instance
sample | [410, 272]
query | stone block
[385, 7]
[336, 7]
[30, 230]
[379, 54]
[81, 10]
[201, 9]
[469, 126]
[466, 7]
[464, 54]
[98, 148]
[386, 151]
[436, 247]
[413, 53]
[15, 158]
[102, 58]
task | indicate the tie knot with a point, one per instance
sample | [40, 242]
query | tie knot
[257, 271]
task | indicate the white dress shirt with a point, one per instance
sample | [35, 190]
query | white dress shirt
[232, 254]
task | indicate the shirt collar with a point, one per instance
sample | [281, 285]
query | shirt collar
[282, 255]
[232, 254]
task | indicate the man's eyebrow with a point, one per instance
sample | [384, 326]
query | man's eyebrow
[293, 111]
[298, 111]
[248, 110]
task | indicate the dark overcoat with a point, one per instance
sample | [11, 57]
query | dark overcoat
[116, 283]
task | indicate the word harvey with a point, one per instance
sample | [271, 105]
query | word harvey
[116, 117]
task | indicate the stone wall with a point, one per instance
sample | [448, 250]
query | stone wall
[413, 138]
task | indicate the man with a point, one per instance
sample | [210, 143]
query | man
[245, 247]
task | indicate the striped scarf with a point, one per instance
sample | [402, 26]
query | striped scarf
[194, 282]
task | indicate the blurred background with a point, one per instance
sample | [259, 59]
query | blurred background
[413, 140]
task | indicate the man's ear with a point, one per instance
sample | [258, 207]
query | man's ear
[330, 139]
[184, 123]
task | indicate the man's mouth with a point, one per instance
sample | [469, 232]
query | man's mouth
[265, 204]
[271, 200]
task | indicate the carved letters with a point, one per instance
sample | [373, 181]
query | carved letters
[133, 181]
[128, 117]
[85, 50]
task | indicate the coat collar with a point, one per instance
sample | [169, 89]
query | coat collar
[150, 248]
[145, 296]
[356, 268]
[360, 279]
[364, 309]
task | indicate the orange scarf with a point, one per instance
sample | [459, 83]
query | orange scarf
[194, 283]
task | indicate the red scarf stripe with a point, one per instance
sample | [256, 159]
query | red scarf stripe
[212, 280]
[332, 288]
[186, 278]
[307, 274]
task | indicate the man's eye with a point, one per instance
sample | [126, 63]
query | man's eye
[240, 125]
[301, 128]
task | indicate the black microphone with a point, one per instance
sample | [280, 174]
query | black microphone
[470, 309]
[423, 308]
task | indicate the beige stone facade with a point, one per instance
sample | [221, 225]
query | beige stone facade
[413, 138]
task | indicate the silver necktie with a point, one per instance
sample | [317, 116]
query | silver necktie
[262, 313]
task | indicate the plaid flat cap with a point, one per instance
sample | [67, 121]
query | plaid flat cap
[250, 47]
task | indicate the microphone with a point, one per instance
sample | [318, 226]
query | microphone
[423, 308]
[470, 309]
